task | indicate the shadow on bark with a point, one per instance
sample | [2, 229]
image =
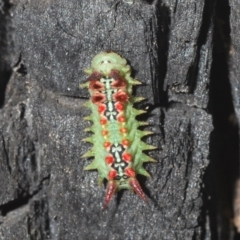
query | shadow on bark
[222, 171]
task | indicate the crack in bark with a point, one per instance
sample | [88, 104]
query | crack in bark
[5, 150]
[19, 202]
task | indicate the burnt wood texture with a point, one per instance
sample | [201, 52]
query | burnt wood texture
[187, 59]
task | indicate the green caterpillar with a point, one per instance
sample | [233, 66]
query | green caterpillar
[117, 147]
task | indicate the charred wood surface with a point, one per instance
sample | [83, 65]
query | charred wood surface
[179, 50]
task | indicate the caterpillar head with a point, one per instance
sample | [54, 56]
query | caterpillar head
[104, 62]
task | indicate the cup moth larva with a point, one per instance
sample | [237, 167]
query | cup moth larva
[117, 146]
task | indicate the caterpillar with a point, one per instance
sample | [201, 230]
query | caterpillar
[117, 146]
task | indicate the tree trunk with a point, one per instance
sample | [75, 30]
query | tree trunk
[181, 52]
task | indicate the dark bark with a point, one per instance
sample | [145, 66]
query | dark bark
[179, 50]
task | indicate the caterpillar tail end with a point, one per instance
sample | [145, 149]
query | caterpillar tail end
[137, 189]
[111, 189]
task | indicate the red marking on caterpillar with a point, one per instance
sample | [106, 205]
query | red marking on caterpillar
[98, 98]
[94, 77]
[107, 144]
[121, 97]
[109, 159]
[123, 130]
[103, 121]
[119, 106]
[96, 85]
[121, 119]
[127, 157]
[104, 132]
[101, 108]
[130, 172]
[125, 142]
[119, 82]
[112, 174]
